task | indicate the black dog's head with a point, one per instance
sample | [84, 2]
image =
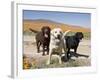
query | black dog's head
[79, 35]
[46, 31]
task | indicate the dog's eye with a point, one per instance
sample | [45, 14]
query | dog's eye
[60, 32]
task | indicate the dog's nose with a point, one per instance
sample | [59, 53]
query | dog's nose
[58, 36]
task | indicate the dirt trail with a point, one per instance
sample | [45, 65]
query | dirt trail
[30, 51]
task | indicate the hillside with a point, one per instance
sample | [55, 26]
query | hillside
[37, 24]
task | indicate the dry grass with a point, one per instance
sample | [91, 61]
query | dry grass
[55, 64]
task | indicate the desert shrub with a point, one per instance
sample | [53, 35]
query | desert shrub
[26, 63]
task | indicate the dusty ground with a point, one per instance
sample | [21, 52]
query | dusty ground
[38, 61]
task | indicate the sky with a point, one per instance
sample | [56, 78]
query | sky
[73, 18]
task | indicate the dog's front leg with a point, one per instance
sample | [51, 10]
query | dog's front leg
[49, 58]
[60, 61]
[65, 49]
[43, 50]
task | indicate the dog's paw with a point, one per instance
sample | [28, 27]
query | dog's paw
[43, 54]
[87, 56]
[76, 56]
[60, 62]
[48, 63]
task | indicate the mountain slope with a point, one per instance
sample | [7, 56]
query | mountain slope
[39, 23]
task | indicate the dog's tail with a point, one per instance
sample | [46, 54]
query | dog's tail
[65, 33]
[33, 30]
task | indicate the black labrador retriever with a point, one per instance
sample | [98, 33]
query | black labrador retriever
[43, 39]
[72, 42]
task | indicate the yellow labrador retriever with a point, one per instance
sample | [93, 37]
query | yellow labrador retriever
[57, 44]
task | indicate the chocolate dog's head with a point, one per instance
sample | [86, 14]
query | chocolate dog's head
[46, 31]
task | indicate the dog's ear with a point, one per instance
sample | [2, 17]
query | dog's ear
[77, 34]
[42, 29]
[49, 29]
[52, 32]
